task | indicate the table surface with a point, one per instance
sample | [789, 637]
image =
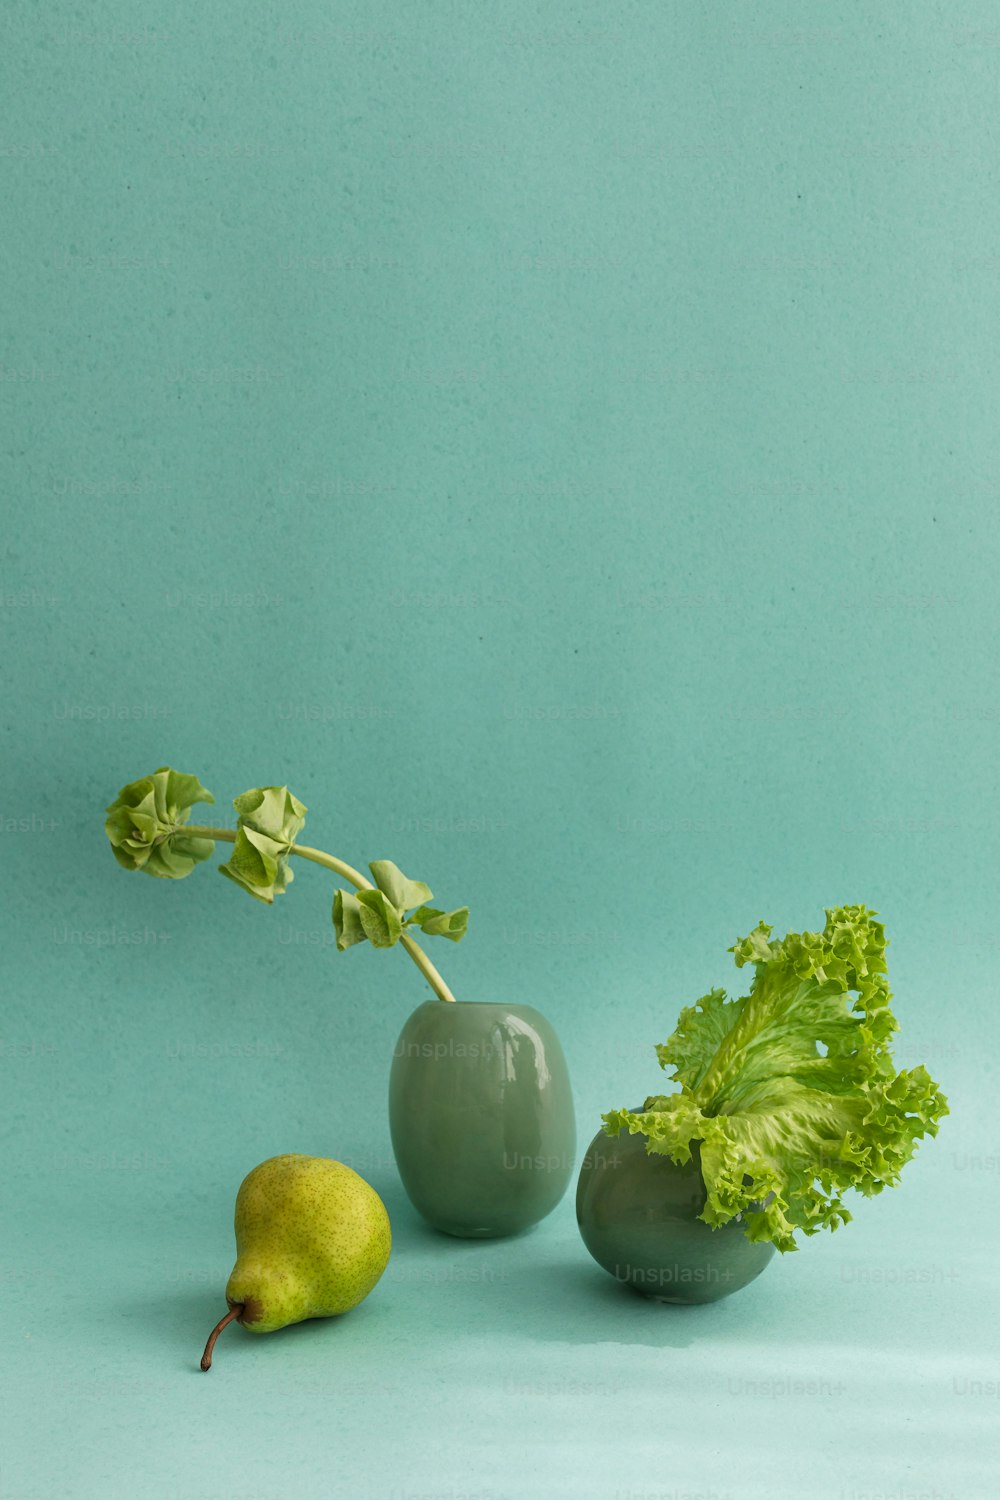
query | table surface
[864, 1365]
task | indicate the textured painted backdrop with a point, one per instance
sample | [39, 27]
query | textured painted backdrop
[561, 443]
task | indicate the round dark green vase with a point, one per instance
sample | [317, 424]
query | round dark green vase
[481, 1116]
[638, 1215]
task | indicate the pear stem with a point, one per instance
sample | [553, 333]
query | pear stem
[338, 866]
[206, 1358]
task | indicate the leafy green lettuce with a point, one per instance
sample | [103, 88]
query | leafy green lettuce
[791, 1091]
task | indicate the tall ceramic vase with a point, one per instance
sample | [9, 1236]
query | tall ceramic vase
[481, 1116]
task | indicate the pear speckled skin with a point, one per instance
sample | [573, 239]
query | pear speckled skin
[312, 1239]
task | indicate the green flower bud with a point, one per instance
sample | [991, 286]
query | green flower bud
[347, 919]
[145, 824]
[380, 914]
[270, 818]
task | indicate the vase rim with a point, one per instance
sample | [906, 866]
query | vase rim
[480, 1004]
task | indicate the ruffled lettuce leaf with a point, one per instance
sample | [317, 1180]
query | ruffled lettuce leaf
[145, 824]
[791, 1091]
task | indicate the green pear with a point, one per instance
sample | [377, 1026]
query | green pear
[312, 1239]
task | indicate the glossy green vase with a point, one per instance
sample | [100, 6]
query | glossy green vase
[481, 1116]
[638, 1215]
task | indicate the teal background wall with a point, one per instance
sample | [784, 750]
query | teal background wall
[559, 442]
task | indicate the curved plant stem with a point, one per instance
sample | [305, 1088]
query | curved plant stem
[355, 878]
[426, 968]
[206, 1358]
[329, 862]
